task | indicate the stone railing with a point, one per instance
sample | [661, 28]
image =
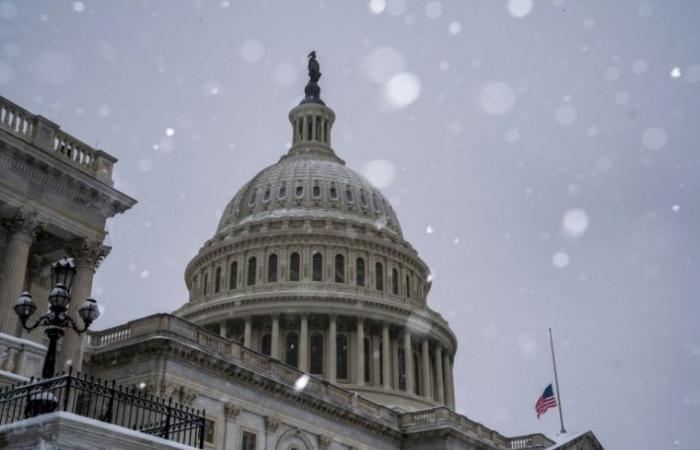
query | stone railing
[48, 137]
[19, 358]
[444, 417]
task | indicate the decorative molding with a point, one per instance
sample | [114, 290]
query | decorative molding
[231, 410]
[272, 423]
[87, 253]
[324, 442]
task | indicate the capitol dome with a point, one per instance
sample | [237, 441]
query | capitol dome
[309, 265]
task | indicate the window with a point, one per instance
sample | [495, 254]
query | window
[333, 193]
[266, 195]
[394, 281]
[272, 268]
[316, 366]
[294, 263]
[195, 283]
[360, 271]
[341, 355]
[249, 441]
[291, 349]
[375, 202]
[282, 194]
[348, 195]
[408, 286]
[205, 287]
[251, 200]
[266, 344]
[379, 276]
[217, 280]
[316, 191]
[339, 269]
[299, 192]
[402, 368]
[317, 261]
[363, 199]
[368, 360]
[252, 267]
[233, 276]
[209, 428]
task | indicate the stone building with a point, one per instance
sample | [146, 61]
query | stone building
[307, 325]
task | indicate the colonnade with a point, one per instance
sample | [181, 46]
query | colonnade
[350, 350]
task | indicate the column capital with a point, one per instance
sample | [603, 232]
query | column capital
[23, 221]
[87, 253]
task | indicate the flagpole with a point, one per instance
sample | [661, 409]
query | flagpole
[556, 382]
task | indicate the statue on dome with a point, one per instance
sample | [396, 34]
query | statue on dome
[312, 90]
[314, 67]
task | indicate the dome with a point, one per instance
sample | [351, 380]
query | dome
[309, 185]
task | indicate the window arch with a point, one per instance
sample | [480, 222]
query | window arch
[379, 276]
[266, 344]
[233, 275]
[394, 281]
[272, 268]
[317, 263]
[205, 285]
[252, 270]
[341, 355]
[217, 280]
[368, 360]
[294, 266]
[316, 347]
[360, 271]
[291, 349]
[339, 268]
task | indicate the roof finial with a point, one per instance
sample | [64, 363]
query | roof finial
[312, 89]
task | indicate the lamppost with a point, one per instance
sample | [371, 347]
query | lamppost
[57, 319]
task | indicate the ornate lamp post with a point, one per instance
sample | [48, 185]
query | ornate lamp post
[57, 318]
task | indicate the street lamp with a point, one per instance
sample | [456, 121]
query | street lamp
[57, 319]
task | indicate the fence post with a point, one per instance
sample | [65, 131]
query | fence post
[67, 397]
[201, 430]
[110, 405]
[166, 430]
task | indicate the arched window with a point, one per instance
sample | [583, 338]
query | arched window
[316, 347]
[266, 344]
[394, 281]
[272, 268]
[266, 195]
[341, 354]
[205, 286]
[233, 275]
[252, 268]
[291, 349]
[217, 280]
[339, 269]
[333, 193]
[360, 271]
[402, 368]
[316, 191]
[251, 200]
[379, 276]
[377, 208]
[299, 191]
[282, 194]
[408, 286]
[363, 199]
[348, 195]
[368, 360]
[294, 265]
[317, 273]
[416, 374]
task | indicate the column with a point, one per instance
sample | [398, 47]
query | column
[304, 129]
[304, 343]
[408, 358]
[20, 240]
[425, 362]
[449, 387]
[376, 362]
[385, 356]
[87, 255]
[332, 357]
[223, 329]
[439, 375]
[360, 363]
[248, 332]
[275, 337]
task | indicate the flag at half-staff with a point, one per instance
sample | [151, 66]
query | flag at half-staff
[547, 400]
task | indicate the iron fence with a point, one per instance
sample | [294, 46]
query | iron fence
[104, 401]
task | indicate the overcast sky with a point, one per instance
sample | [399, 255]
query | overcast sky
[542, 158]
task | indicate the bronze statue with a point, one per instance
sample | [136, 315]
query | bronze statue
[312, 89]
[314, 67]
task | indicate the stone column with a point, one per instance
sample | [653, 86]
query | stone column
[449, 387]
[87, 255]
[248, 332]
[275, 337]
[386, 369]
[439, 375]
[332, 357]
[223, 330]
[21, 235]
[425, 362]
[360, 363]
[303, 363]
[408, 359]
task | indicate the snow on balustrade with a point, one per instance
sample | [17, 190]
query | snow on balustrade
[15, 119]
[74, 150]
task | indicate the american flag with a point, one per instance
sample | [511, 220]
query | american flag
[546, 401]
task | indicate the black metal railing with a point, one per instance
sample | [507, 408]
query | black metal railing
[104, 401]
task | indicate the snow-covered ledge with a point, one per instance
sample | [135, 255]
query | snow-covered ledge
[67, 431]
[20, 359]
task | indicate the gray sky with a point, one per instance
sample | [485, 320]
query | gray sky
[543, 159]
